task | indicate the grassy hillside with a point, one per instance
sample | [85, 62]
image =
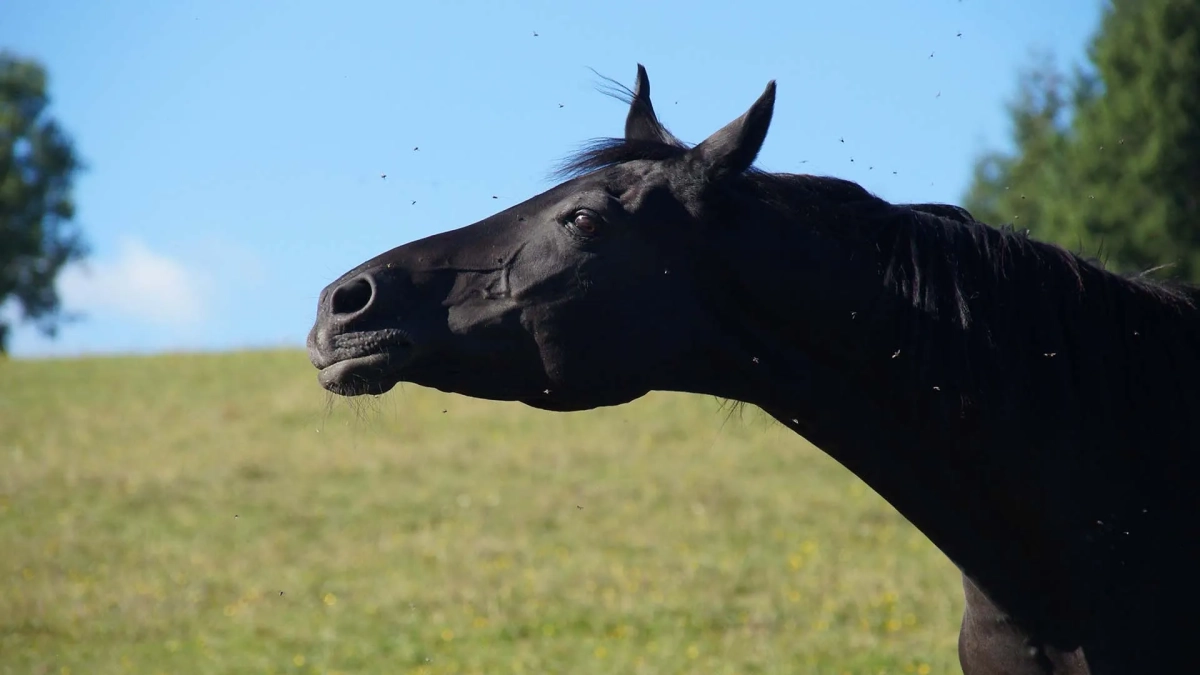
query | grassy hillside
[220, 514]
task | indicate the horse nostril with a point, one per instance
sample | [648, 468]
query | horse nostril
[352, 297]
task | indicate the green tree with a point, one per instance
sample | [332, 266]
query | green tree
[1108, 160]
[37, 166]
[1016, 188]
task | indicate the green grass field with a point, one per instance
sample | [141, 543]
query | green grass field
[221, 514]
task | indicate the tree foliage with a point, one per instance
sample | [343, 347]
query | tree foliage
[37, 166]
[1107, 160]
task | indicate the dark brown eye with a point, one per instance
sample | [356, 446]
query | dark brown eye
[584, 223]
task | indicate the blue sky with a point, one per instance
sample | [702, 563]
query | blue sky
[235, 148]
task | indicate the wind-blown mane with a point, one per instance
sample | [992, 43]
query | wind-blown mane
[1033, 325]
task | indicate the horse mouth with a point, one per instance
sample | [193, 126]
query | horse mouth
[358, 364]
[370, 374]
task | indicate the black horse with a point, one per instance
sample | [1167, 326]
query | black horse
[1028, 411]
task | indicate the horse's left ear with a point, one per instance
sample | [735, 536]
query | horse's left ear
[732, 150]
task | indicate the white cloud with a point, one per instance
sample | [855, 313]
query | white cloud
[139, 283]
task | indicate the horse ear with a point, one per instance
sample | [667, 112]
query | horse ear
[641, 124]
[732, 150]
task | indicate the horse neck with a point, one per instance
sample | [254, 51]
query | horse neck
[1007, 436]
[810, 351]
[839, 361]
[912, 473]
[780, 298]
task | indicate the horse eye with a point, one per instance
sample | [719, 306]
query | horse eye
[585, 223]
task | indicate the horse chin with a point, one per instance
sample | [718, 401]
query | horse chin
[562, 402]
[553, 405]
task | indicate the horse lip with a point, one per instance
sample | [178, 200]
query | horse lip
[368, 374]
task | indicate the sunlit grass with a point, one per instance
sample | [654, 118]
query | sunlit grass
[219, 514]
